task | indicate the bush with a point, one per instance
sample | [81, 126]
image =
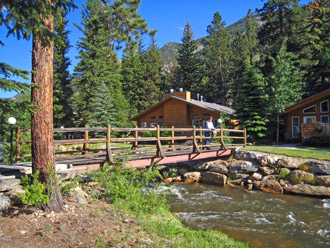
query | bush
[322, 141]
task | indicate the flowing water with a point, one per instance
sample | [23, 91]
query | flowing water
[258, 218]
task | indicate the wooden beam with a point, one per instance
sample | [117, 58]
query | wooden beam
[109, 157]
[196, 148]
[159, 145]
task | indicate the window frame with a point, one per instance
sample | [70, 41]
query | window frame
[327, 101]
[308, 108]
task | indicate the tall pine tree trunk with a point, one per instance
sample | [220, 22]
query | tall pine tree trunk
[42, 118]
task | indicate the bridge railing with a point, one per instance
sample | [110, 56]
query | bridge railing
[75, 143]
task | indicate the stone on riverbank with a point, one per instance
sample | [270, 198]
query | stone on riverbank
[270, 186]
[214, 178]
[306, 189]
[298, 176]
[192, 177]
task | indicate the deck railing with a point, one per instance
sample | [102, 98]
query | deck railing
[176, 139]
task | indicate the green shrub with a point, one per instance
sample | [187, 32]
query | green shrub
[322, 141]
[34, 190]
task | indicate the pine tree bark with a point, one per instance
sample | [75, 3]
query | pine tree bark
[42, 118]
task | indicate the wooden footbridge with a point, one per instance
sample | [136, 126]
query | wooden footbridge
[133, 146]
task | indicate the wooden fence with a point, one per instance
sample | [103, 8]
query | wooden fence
[179, 140]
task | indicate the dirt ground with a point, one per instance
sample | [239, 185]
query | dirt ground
[94, 224]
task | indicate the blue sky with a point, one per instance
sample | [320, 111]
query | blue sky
[167, 16]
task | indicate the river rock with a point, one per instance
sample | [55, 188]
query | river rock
[270, 177]
[306, 189]
[243, 167]
[267, 170]
[267, 160]
[299, 176]
[256, 176]
[246, 155]
[4, 203]
[323, 180]
[7, 184]
[318, 167]
[192, 177]
[214, 178]
[237, 181]
[202, 166]
[219, 168]
[284, 172]
[288, 162]
[240, 176]
[270, 186]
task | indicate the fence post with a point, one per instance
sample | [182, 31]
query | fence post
[85, 146]
[221, 138]
[172, 141]
[159, 152]
[244, 137]
[18, 144]
[109, 157]
[196, 148]
[136, 137]
[200, 135]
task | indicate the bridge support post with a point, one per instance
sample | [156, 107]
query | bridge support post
[196, 148]
[159, 152]
[85, 146]
[109, 157]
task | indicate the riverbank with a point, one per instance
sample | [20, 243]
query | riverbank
[111, 211]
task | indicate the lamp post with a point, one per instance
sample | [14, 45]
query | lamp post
[11, 121]
[219, 121]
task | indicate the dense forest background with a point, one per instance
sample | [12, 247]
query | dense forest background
[267, 61]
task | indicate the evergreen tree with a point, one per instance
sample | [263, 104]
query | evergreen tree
[103, 111]
[250, 104]
[244, 48]
[318, 38]
[188, 74]
[104, 26]
[217, 57]
[283, 87]
[62, 91]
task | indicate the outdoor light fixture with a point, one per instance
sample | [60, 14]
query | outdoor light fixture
[11, 121]
[219, 121]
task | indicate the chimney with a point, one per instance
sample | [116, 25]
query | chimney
[185, 95]
[171, 91]
[201, 98]
[181, 89]
[197, 96]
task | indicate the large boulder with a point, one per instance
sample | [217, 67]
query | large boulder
[202, 166]
[267, 160]
[316, 167]
[323, 181]
[267, 170]
[192, 177]
[306, 189]
[214, 178]
[219, 167]
[288, 162]
[299, 176]
[246, 155]
[270, 186]
[243, 167]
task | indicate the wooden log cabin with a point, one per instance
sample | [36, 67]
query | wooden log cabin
[302, 118]
[179, 110]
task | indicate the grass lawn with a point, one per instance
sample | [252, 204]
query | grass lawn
[291, 152]
[314, 148]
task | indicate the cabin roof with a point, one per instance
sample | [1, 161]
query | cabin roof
[217, 108]
[307, 101]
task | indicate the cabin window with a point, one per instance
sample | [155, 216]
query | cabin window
[309, 119]
[194, 115]
[324, 118]
[310, 110]
[206, 114]
[144, 124]
[295, 127]
[324, 107]
[152, 124]
[152, 117]
[196, 123]
[160, 123]
[160, 117]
